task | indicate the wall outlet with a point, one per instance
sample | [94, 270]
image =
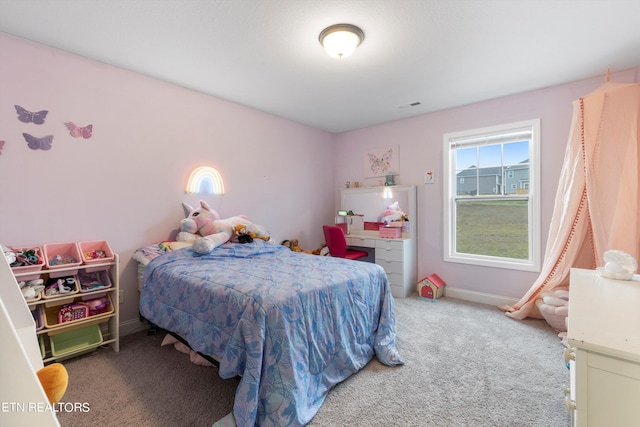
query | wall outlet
[121, 297]
[429, 177]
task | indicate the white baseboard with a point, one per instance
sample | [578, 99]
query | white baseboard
[132, 326]
[479, 297]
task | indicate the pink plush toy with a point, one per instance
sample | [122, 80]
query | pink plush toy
[392, 213]
[213, 230]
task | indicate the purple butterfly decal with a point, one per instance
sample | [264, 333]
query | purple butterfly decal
[29, 117]
[38, 143]
[77, 131]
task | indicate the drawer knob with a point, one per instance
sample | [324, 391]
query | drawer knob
[570, 404]
[569, 355]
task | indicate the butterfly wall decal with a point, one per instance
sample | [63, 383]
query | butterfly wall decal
[29, 117]
[38, 143]
[77, 131]
[380, 164]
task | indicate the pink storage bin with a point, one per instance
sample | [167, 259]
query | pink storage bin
[93, 280]
[373, 226]
[390, 232]
[59, 295]
[29, 268]
[96, 252]
[68, 252]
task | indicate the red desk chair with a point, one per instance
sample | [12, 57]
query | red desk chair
[337, 243]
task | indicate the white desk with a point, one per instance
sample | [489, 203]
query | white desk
[398, 257]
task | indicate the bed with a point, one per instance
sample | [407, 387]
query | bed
[291, 325]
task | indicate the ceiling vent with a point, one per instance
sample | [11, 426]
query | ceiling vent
[411, 105]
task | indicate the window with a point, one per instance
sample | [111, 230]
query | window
[492, 210]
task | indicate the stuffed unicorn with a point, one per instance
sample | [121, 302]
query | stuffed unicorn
[212, 230]
[392, 213]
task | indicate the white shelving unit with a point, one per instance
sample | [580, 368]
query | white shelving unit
[108, 321]
[20, 357]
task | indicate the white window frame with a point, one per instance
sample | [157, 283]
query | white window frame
[491, 135]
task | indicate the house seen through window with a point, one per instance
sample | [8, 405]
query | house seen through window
[491, 207]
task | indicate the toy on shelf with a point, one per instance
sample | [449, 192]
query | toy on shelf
[24, 257]
[31, 289]
[96, 305]
[25, 260]
[60, 259]
[91, 281]
[60, 286]
[71, 312]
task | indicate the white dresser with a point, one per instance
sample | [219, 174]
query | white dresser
[604, 337]
[397, 256]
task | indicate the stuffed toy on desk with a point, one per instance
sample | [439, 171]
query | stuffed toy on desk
[209, 231]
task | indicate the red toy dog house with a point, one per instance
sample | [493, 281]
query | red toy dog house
[431, 287]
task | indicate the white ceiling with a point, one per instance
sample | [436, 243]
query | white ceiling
[265, 53]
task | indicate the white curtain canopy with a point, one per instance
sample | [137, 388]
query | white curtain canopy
[596, 205]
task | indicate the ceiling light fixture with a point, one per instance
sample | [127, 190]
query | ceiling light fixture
[341, 40]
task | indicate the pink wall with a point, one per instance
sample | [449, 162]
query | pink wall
[421, 149]
[126, 184]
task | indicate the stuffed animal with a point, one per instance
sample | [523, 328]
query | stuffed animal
[286, 244]
[188, 229]
[215, 231]
[54, 380]
[322, 251]
[241, 233]
[393, 213]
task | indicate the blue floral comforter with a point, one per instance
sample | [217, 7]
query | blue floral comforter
[292, 325]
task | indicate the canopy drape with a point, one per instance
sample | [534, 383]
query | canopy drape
[596, 205]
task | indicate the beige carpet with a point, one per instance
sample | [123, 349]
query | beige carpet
[466, 365]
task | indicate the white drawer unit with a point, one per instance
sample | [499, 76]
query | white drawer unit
[363, 242]
[604, 333]
[395, 256]
[391, 267]
[390, 250]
